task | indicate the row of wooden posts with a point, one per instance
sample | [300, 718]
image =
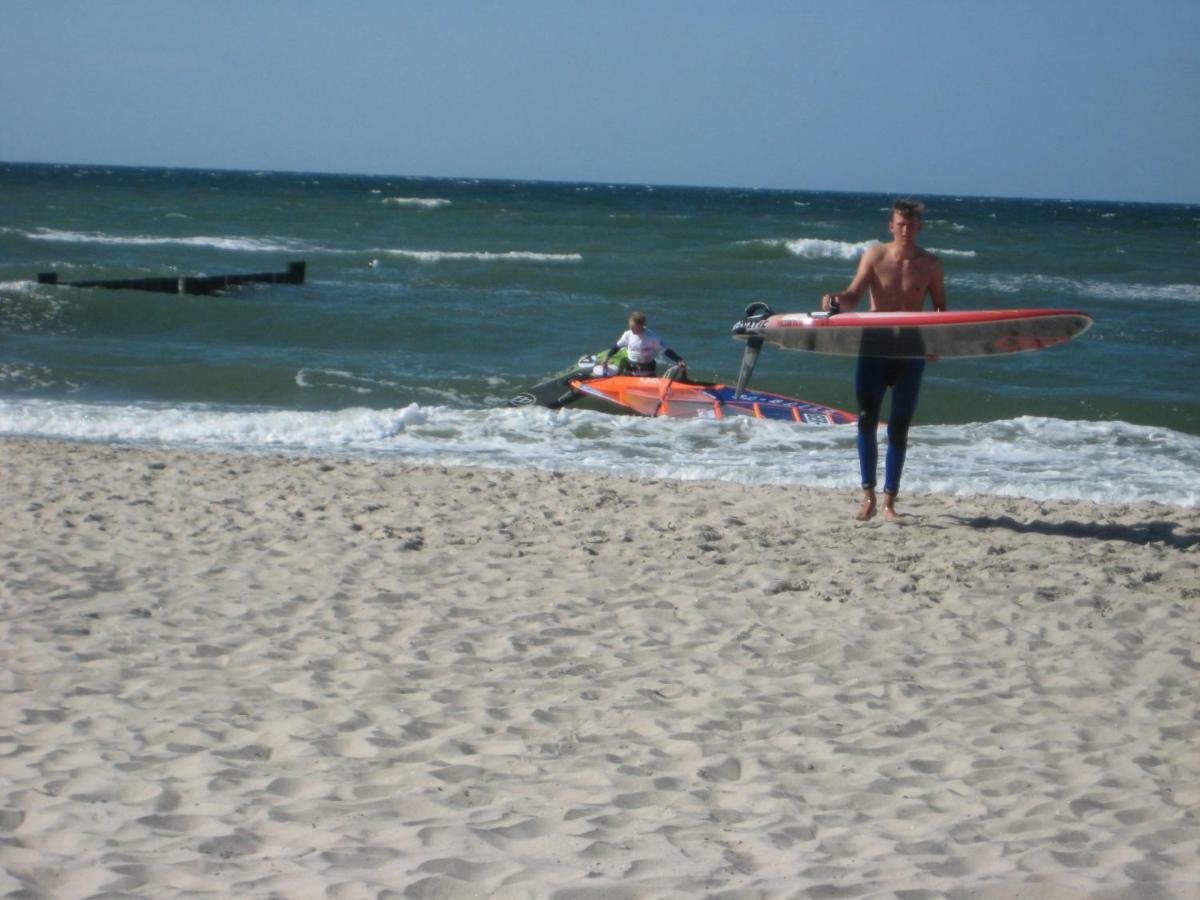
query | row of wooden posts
[191, 284]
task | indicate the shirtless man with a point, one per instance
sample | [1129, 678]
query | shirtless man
[898, 276]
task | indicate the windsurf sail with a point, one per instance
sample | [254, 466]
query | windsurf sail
[674, 396]
[556, 391]
[698, 400]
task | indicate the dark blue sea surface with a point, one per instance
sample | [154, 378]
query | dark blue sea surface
[479, 288]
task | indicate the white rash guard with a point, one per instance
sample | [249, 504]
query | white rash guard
[642, 347]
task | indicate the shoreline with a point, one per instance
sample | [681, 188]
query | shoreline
[268, 674]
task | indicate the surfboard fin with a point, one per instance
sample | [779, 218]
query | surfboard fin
[754, 346]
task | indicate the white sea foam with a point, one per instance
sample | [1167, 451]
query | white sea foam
[421, 202]
[244, 244]
[822, 248]
[34, 306]
[1030, 283]
[816, 248]
[18, 376]
[336, 379]
[201, 427]
[435, 256]
[1030, 457]
[1109, 291]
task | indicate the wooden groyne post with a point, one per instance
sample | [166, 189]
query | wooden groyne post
[191, 284]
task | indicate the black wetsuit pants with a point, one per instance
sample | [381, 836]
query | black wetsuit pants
[874, 376]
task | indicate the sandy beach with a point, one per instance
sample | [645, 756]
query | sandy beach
[252, 676]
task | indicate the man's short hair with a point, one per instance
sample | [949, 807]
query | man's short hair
[637, 318]
[909, 208]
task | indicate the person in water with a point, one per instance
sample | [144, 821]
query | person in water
[642, 345]
[898, 275]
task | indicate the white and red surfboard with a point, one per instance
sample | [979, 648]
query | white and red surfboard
[954, 333]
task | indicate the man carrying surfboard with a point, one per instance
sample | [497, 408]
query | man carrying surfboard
[898, 276]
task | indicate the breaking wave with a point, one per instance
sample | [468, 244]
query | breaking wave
[436, 256]
[421, 202]
[1039, 458]
[242, 244]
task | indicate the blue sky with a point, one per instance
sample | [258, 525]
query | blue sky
[1035, 98]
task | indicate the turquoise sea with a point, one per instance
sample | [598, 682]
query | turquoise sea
[483, 287]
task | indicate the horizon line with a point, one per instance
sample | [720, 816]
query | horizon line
[592, 183]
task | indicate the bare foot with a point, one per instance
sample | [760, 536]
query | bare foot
[889, 506]
[866, 512]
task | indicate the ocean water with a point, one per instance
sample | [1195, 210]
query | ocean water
[484, 287]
